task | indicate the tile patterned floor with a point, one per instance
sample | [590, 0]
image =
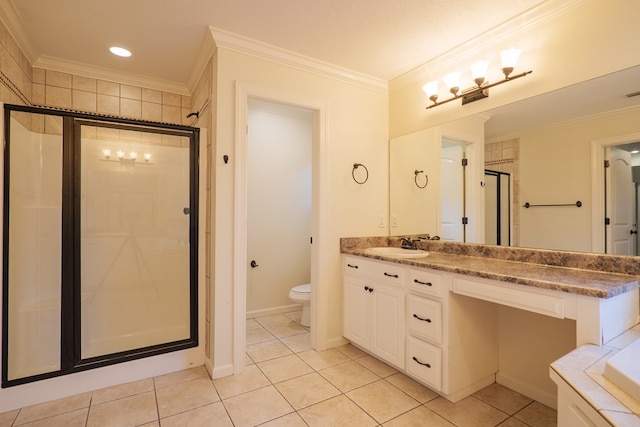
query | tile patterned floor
[285, 383]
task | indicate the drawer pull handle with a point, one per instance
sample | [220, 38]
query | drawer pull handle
[420, 318]
[395, 276]
[352, 266]
[415, 359]
[422, 283]
[367, 288]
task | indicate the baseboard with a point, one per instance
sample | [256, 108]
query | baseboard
[221, 371]
[551, 400]
[337, 342]
[470, 389]
[274, 310]
[209, 367]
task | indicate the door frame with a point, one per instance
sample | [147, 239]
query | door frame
[474, 192]
[597, 185]
[319, 221]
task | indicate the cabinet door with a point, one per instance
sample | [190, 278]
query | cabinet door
[357, 311]
[388, 323]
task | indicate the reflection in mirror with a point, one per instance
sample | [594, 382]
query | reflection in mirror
[453, 192]
[497, 205]
[553, 148]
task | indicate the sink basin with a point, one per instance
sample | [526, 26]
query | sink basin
[397, 252]
[623, 369]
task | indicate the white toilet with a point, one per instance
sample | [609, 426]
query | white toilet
[302, 295]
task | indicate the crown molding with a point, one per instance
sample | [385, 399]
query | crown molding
[13, 23]
[634, 109]
[234, 42]
[102, 73]
[207, 49]
[496, 36]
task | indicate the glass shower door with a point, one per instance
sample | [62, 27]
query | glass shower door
[100, 242]
[135, 275]
[32, 246]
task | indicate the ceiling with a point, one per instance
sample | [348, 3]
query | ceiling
[378, 38]
[588, 98]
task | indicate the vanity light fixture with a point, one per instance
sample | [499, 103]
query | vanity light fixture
[509, 59]
[123, 158]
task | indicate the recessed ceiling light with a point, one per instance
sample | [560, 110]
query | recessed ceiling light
[635, 152]
[120, 51]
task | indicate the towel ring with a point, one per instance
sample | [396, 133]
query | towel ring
[426, 179]
[353, 173]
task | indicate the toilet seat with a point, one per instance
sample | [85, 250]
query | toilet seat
[301, 292]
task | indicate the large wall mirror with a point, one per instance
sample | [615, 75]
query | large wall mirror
[550, 153]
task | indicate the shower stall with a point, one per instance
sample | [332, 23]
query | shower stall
[99, 241]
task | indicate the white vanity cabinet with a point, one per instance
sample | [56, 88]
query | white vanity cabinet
[451, 339]
[409, 318]
[373, 312]
[424, 326]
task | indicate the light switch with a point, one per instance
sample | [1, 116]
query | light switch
[380, 221]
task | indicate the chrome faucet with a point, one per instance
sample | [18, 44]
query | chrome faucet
[408, 243]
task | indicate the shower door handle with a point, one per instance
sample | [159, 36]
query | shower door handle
[186, 211]
[253, 263]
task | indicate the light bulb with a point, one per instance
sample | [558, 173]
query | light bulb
[120, 154]
[479, 71]
[147, 157]
[133, 155]
[452, 80]
[509, 60]
[431, 89]
[106, 153]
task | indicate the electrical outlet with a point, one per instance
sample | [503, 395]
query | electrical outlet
[394, 221]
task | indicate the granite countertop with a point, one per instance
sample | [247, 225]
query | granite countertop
[600, 276]
[583, 370]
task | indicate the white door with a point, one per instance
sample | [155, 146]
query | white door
[619, 203]
[452, 192]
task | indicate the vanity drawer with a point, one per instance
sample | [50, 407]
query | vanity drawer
[424, 318]
[426, 282]
[424, 362]
[390, 273]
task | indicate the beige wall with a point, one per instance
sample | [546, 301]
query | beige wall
[356, 131]
[527, 344]
[590, 39]
[555, 167]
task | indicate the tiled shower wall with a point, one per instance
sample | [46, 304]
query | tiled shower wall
[503, 156]
[22, 84]
[15, 71]
[68, 91]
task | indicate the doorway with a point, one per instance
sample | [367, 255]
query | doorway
[452, 183]
[615, 212]
[279, 199]
[319, 203]
[497, 208]
[461, 196]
